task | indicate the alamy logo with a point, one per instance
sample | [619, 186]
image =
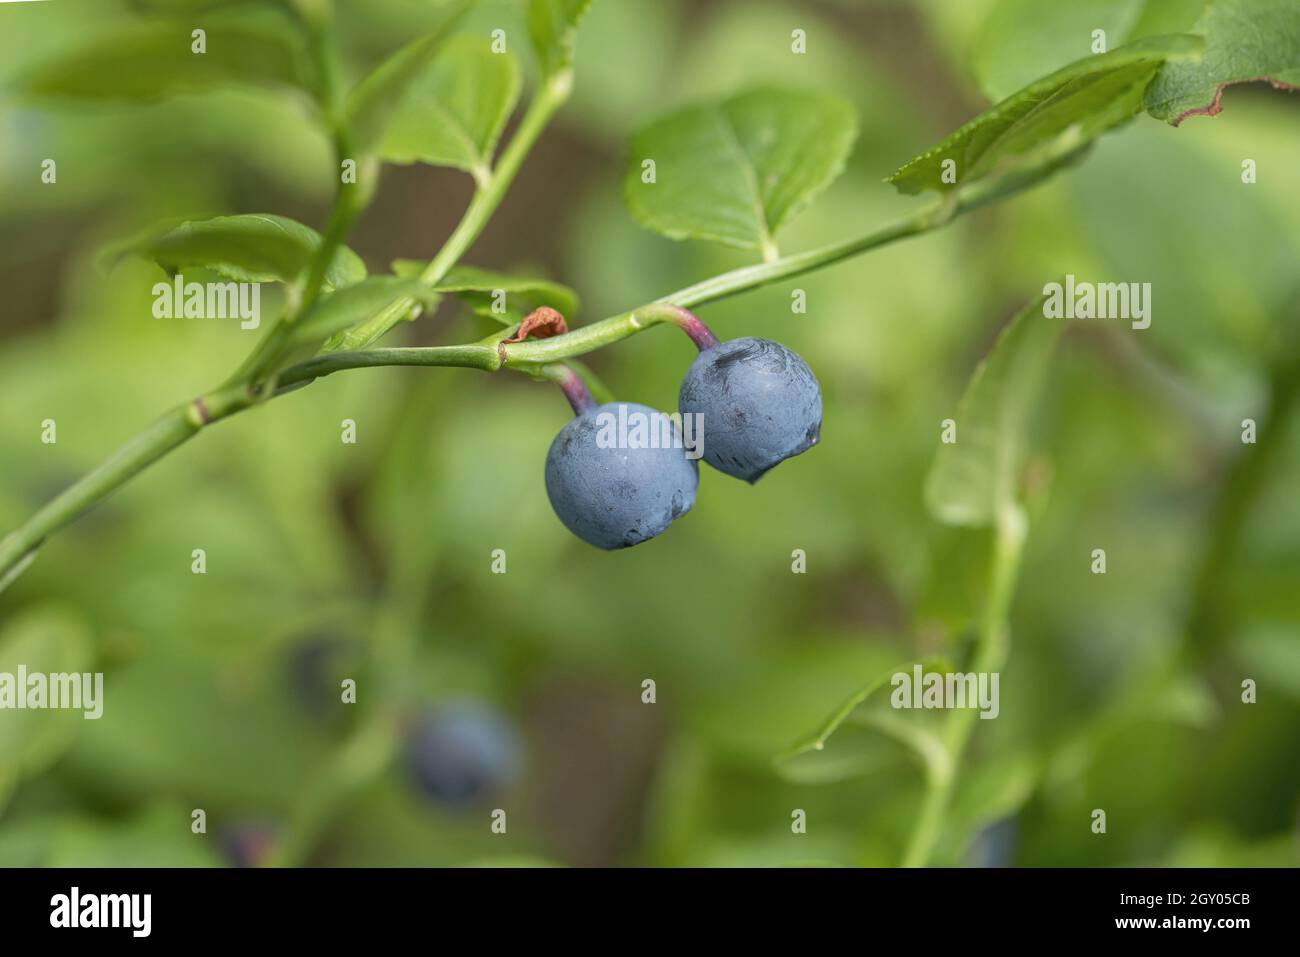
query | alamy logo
[634, 429]
[58, 690]
[1105, 300]
[208, 300]
[936, 689]
[133, 911]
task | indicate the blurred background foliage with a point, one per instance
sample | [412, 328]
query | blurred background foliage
[372, 561]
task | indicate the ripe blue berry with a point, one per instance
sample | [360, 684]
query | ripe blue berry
[460, 754]
[615, 487]
[760, 405]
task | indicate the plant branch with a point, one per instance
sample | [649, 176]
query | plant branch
[527, 356]
[990, 654]
[350, 199]
[169, 432]
[487, 197]
[607, 331]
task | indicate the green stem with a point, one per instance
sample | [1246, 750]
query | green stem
[476, 355]
[169, 432]
[361, 759]
[607, 331]
[350, 199]
[487, 197]
[990, 654]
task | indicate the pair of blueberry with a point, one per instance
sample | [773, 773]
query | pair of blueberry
[760, 404]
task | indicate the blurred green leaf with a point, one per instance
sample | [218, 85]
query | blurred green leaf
[1022, 40]
[250, 247]
[1166, 16]
[157, 61]
[479, 286]
[994, 789]
[42, 641]
[224, 735]
[867, 734]
[350, 305]
[1268, 654]
[553, 26]
[378, 96]
[1077, 103]
[453, 114]
[975, 477]
[198, 6]
[737, 170]
[157, 837]
[1245, 40]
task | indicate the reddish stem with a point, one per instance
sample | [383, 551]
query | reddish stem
[574, 389]
[684, 320]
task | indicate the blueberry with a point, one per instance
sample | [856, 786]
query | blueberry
[760, 405]
[618, 474]
[460, 754]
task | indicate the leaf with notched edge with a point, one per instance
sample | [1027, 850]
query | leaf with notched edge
[1245, 41]
[1083, 100]
[453, 114]
[736, 171]
[553, 26]
[372, 103]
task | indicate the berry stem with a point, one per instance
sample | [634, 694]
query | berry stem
[682, 318]
[571, 384]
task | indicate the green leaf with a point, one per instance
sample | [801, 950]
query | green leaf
[478, 288]
[252, 247]
[453, 114]
[44, 642]
[1076, 104]
[1245, 41]
[157, 61]
[736, 171]
[553, 26]
[373, 101]
[346, 307]
[867, 734]
[974, 478]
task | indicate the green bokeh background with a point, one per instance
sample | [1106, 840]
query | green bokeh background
[386, 545]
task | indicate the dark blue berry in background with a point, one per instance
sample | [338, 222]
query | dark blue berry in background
[760, 402]
[618, 497]
[461, 753]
